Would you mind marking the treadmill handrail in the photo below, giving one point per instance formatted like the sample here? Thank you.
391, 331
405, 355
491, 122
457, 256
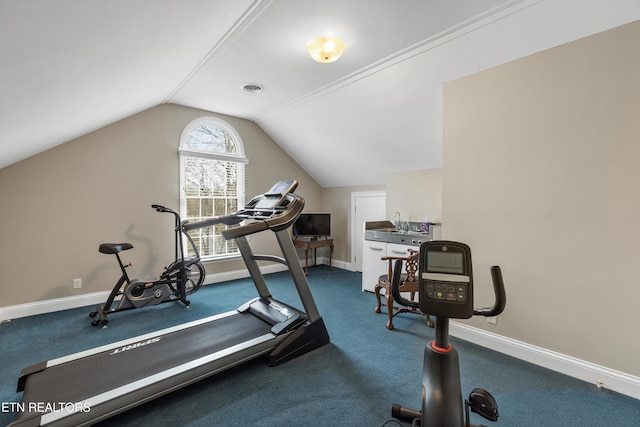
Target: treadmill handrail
275, 219
225, 219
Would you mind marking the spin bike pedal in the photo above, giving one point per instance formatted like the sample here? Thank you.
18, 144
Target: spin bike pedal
483, 403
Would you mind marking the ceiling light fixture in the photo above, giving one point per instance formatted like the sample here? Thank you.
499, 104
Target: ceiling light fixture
325, 49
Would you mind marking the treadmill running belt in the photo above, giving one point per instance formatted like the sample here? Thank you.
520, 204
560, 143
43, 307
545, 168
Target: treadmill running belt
76, 381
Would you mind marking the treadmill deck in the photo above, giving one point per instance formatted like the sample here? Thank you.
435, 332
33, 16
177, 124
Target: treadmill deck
170, 353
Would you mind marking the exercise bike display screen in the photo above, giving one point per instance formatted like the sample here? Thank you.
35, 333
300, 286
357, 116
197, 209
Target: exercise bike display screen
446, 287
444, 262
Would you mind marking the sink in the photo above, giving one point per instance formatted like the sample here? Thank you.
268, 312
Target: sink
403, 237
394, 230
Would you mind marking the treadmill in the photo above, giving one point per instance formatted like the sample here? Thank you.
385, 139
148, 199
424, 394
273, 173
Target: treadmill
89, 386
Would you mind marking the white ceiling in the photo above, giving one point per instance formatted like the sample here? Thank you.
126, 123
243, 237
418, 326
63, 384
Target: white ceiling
69, 67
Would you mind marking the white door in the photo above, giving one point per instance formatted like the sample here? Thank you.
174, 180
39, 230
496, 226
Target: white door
365, 206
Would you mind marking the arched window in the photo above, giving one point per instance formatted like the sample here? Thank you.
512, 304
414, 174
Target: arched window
212, 181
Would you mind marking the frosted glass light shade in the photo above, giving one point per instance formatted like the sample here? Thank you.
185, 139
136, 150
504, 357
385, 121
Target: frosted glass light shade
325, 49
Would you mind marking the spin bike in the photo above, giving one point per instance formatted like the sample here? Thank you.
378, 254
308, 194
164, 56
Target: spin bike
445, 284
181, 278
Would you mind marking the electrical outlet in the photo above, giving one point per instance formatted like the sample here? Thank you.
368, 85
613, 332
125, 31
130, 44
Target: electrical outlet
77, 283
493, 320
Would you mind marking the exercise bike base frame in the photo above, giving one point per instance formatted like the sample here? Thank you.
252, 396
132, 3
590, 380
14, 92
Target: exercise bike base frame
169, 293
446, 290
441, 387
170, 287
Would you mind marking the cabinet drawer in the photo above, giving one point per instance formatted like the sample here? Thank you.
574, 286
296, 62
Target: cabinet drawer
396, 250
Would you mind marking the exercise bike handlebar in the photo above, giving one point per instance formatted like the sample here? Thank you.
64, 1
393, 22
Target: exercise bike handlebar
396, 277
161, 208
498, 289
499, 292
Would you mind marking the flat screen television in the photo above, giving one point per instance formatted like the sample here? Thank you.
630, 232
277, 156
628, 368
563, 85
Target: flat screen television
312, 225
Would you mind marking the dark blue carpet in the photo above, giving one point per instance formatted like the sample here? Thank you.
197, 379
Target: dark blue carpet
351, 382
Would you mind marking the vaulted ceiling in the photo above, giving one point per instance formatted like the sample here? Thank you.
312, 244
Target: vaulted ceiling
69, 67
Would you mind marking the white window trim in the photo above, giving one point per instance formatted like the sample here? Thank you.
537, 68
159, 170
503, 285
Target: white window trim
239, 157
216, 121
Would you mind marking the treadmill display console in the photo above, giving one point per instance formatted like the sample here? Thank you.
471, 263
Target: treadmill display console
276, 195
445, 279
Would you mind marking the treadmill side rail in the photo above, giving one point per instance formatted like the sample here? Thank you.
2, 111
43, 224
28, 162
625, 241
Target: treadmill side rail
28, 371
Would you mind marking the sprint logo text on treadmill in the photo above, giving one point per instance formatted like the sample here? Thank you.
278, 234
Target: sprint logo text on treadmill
134, 346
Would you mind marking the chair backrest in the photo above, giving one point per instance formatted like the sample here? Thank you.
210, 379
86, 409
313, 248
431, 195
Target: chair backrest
411, 266
407, 282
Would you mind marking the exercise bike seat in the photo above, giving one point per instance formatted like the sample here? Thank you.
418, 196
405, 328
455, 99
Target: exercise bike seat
114, 248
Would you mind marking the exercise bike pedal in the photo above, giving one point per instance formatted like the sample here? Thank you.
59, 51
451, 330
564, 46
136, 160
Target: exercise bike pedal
483, 403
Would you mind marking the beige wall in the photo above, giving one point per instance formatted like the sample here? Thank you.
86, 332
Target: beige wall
541, 176
415, 194
59, 205
337, 202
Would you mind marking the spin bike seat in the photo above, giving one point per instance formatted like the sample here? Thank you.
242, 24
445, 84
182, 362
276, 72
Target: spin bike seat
114, 248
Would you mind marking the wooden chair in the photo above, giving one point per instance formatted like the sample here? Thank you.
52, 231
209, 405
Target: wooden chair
409, 283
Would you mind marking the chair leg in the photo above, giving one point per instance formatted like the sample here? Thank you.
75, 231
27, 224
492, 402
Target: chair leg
430, 323
377, 292
389, 307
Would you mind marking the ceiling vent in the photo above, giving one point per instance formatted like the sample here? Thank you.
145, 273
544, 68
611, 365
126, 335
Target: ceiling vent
252, 88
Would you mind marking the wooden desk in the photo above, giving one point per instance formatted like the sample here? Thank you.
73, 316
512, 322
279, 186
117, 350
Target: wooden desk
314, 244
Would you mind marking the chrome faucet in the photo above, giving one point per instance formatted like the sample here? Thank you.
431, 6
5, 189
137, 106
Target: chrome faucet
398, 223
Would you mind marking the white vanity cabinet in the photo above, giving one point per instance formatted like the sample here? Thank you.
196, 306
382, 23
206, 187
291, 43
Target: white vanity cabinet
372, 264
382, 239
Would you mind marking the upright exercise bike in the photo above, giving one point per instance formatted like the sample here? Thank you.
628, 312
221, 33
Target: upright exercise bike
181, 278
446, 291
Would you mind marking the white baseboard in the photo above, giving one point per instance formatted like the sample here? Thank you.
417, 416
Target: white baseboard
94, 298
241, 274
334, 263
597, 375
66, 303
51, 305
